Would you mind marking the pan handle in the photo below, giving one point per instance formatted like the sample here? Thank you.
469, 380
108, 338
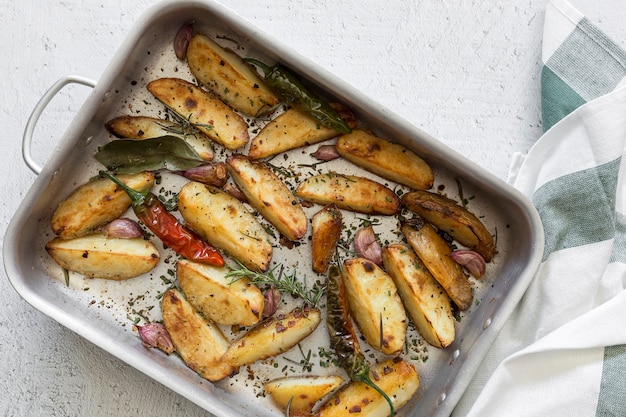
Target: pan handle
36, 113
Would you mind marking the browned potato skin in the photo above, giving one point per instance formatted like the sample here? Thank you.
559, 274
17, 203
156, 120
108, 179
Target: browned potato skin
294, 129
325, 233
396, 377
434, 252
95, 204
346, 114
198, 341
96, 256
204, 111
209, 291
301, 393
389, 160
454, 219
272, 336
144, 127
225, 74
138, 127
349, 192
374, 302
426, 302
226, 223
290, 130
269, 195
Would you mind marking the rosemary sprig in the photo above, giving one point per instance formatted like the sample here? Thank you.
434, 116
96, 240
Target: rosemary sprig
281, 171
313, 165
338, 175
307, 364
183, 126
277, 277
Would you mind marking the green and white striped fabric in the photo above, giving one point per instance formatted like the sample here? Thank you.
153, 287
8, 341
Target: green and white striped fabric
580, 63
563, 350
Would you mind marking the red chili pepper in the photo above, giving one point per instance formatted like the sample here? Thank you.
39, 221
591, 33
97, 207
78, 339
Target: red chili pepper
153, 214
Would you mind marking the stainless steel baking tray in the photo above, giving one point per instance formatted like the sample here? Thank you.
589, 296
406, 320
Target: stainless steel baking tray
103, 312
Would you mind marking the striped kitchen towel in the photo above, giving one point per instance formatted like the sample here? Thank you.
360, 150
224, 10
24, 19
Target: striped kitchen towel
563, 350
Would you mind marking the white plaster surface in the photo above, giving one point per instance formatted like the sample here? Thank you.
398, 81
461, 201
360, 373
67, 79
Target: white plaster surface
467, 72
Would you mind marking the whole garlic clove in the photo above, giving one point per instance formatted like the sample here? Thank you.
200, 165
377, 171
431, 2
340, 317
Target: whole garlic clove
155, 335
470, 260
181, 41
326, 153
123, 228
367, 246
272, 298
215, 174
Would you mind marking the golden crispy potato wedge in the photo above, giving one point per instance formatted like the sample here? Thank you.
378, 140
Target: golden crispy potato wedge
349, 192
198, 341
144, 127
269, 195
396, 377
203, 110
325, 233
375, 304
224, 73
226, 223
301, 393
292, 129
219, 298
96, 256
426, 302
434, 252
272, 336
96, 203
389, 160
454, 219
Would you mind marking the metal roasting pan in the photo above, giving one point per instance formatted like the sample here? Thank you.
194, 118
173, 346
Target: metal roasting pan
104, 311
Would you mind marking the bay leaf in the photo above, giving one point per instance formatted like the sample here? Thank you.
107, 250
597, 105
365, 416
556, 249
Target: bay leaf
127, 156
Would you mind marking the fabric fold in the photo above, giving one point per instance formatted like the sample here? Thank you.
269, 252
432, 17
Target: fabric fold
563, 346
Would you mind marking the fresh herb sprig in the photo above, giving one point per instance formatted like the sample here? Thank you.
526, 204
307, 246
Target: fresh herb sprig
185, 127
307, 364
277, 277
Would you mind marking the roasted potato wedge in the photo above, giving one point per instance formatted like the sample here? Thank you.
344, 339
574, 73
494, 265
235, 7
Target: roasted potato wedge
447, 215
272, 336
144, 127
224, 73
425, 301
95, 204
434, 252
219, 298
349, 192
389, 160
269, 195
202, 110
198, 341
301, 393
375, 305
226, 223
96, 256
325, 233
396, 377
292, 129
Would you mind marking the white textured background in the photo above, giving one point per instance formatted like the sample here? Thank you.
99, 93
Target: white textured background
466, 72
